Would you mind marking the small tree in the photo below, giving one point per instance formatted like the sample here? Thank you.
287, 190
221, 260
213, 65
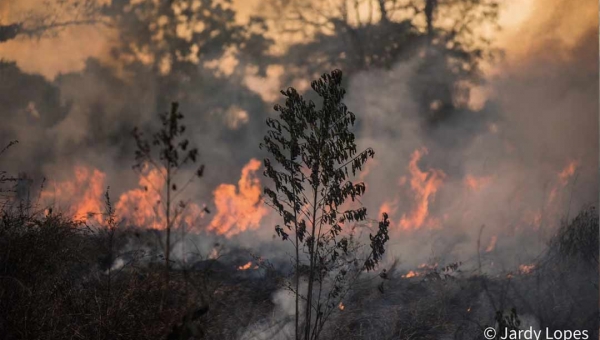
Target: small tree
168, 153
313, 151
7, 182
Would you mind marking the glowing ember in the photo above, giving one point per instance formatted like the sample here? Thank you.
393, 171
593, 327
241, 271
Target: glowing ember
428, 266
341, 306
239, 209
410, 274
424, 186
492, 245
526, 268
246, 266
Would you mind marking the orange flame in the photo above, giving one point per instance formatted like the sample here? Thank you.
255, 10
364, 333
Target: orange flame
568, 172
410, 274
239, 209
424, 185
492, 245
246, 266
388, 207
142, 206
85, 190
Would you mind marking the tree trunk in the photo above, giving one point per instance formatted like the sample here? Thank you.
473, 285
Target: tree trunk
168, 216
430, 7
383, 10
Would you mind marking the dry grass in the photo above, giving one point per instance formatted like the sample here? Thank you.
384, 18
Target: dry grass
54, 285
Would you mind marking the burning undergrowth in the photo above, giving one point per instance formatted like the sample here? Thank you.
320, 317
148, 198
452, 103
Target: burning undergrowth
226, 292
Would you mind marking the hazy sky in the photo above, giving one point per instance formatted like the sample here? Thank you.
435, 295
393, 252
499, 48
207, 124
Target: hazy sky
524, 22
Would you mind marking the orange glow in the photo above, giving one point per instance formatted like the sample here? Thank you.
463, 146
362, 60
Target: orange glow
246, 266
563, 178
424, 185
341, 306
85, 193
410, 274
476, 183
388, 207
492, 245
526, 268
141, 206
239, 209
568, 172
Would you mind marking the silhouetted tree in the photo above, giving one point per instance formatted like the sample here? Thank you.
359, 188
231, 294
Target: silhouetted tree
313, 153
167, 152
7, 181
51, 17
444, 37
175, 50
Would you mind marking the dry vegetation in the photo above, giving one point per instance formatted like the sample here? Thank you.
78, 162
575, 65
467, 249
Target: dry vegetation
55, 284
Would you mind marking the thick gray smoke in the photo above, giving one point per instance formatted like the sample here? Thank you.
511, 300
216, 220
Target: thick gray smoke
505, 165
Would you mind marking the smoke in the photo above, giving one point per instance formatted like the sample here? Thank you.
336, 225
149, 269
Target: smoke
517, 164
516, 160
280, 325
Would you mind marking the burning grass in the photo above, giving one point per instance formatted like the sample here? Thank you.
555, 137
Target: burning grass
54, 284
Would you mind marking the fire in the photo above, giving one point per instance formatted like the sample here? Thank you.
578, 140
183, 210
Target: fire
476, 183
410, 274
239, 209
388, 207
424, 186
428, 266
568, 172
526, 268
341, 306
141, 207
492, 245
246, 266
85, 191
563, 179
